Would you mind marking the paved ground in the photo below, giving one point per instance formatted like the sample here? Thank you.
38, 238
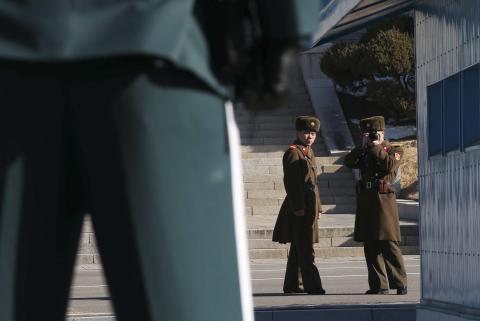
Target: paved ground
344, 279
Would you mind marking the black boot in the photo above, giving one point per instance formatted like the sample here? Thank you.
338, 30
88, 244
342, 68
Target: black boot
377, 291
402, 290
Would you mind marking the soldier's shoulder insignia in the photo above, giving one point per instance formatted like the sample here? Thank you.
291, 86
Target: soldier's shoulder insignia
398, 156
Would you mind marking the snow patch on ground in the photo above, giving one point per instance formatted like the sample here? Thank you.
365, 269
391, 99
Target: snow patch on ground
394, 132
399, 132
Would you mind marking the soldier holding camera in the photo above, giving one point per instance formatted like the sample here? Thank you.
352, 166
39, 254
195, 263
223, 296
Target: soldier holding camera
377, 222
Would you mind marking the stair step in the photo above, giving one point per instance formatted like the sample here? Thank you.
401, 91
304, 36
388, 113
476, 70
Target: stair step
324, 242
284, 119
263, 155
291, 110
274, 148
336, 175
324, 189
255, 202
273, 133
278, 161
406, 230
324, 180
323, 252
278, 169
339, 208
280, 194
274, 194
337, 191
285, 141
265, 126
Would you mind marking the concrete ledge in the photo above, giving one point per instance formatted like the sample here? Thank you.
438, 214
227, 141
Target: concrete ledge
407, 209
323, 252
433, 310
383, 312
91, 318
326, 105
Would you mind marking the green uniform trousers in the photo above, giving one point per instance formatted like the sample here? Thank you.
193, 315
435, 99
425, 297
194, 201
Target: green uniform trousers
301, 256
144, 149
385, 265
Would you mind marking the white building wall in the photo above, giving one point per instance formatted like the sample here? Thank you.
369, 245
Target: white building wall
447, 34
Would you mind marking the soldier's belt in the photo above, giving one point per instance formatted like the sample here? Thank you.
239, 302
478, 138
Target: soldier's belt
368, 184
381, 185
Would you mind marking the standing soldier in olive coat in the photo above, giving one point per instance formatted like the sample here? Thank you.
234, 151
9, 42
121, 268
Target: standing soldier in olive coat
377, 222
297, 219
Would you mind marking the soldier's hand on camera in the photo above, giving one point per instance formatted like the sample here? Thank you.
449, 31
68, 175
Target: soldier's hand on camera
299, 213
365, 140
380, 139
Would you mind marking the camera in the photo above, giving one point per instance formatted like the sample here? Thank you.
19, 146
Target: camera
373, 135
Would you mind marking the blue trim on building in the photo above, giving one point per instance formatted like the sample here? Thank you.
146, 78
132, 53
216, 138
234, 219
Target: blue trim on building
454, 112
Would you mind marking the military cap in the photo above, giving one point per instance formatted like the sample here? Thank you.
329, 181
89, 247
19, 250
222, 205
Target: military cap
376, 123
307, 123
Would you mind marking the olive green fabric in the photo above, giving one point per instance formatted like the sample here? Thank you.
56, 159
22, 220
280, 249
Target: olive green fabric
385, 265
299, 168
376, 221
307, 123
52, 30
118, 144
375, 123
301, 257
377, 213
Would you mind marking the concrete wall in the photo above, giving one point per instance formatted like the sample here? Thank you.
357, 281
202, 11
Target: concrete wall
325, 103
447, 42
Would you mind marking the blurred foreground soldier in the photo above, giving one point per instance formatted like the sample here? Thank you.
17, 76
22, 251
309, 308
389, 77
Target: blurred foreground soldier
103, 104
297, 219
377, 223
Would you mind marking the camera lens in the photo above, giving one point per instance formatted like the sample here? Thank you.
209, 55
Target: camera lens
373, 136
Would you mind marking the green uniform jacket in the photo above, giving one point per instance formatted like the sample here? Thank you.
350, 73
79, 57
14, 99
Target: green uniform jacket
60, 30
377, 213
299, 168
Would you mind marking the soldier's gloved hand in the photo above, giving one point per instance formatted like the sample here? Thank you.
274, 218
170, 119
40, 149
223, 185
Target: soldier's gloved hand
380, 139
299, 213
365, 140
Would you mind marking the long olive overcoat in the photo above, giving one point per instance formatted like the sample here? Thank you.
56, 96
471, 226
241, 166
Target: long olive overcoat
299, 169
377, 213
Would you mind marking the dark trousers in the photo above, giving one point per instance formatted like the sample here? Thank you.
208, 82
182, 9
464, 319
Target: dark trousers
145, 151
302, 256
385, 265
